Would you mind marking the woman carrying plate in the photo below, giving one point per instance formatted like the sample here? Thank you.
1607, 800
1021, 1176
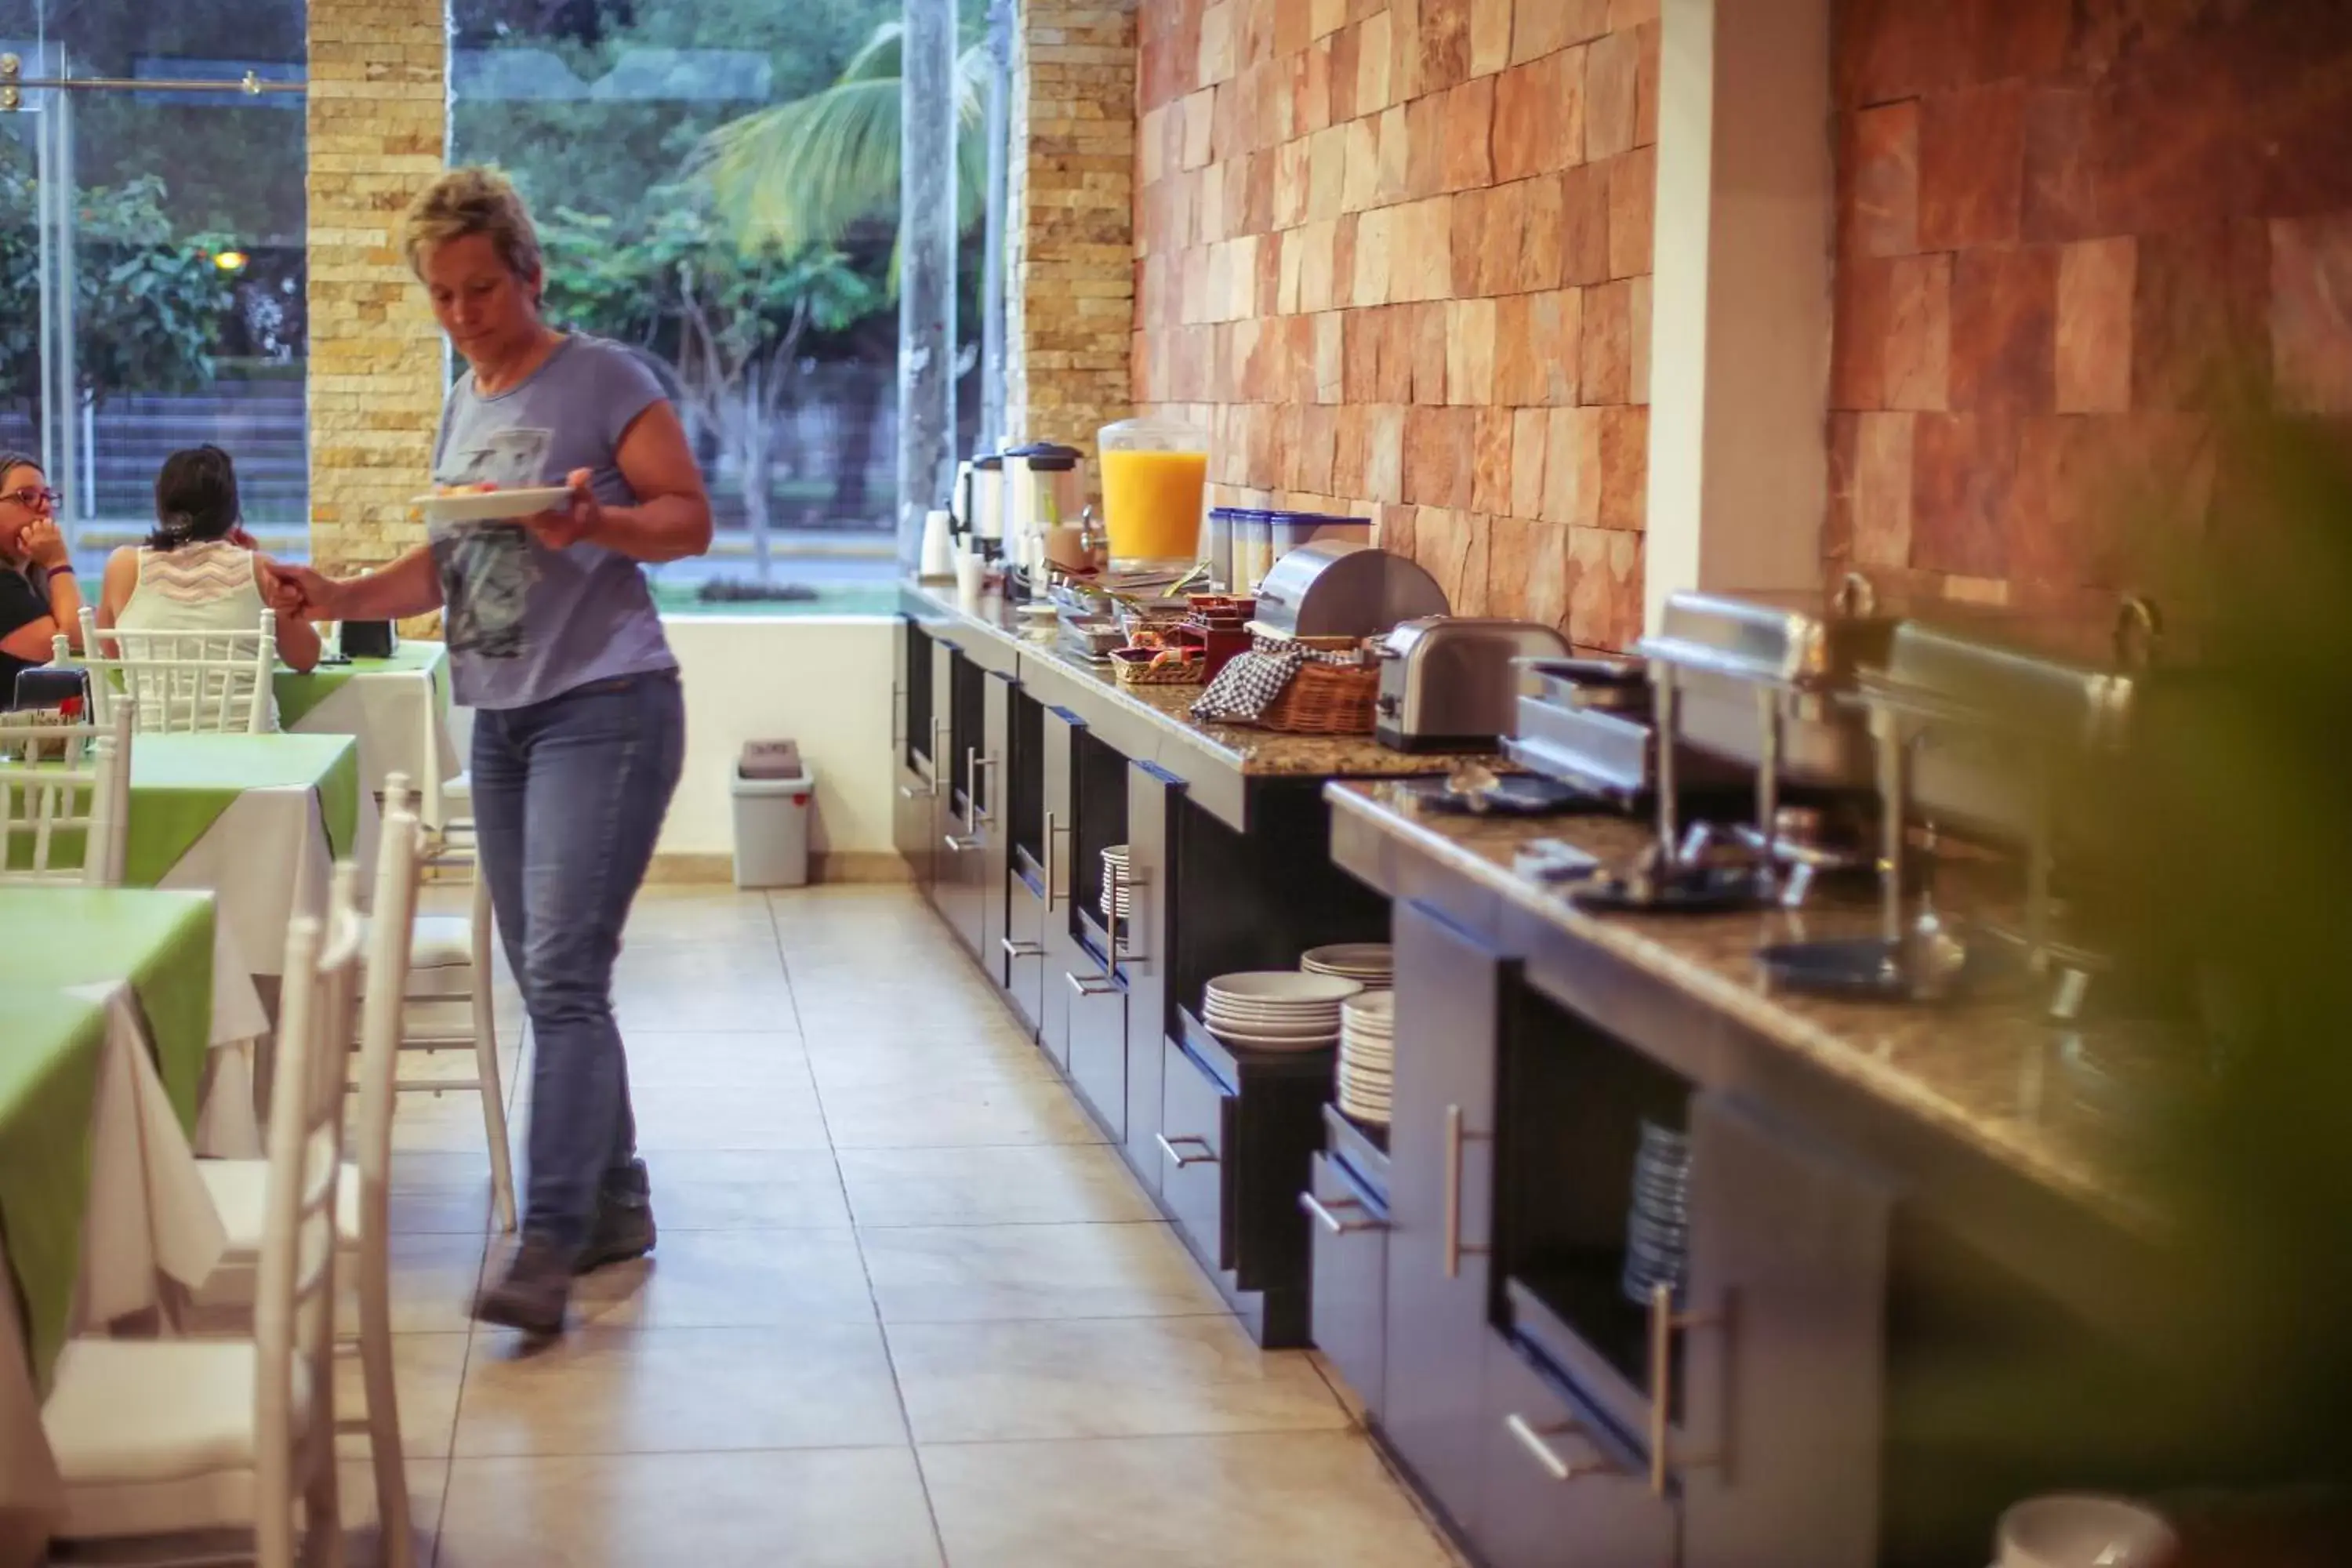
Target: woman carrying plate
580, 729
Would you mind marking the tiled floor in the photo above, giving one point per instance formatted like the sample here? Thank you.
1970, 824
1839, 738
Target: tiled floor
906, 1307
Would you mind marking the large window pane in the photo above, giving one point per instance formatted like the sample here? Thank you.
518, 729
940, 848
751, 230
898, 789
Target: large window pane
152, 247
758, 286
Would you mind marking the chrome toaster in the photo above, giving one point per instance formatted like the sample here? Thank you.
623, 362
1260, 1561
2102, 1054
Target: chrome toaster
1451, 683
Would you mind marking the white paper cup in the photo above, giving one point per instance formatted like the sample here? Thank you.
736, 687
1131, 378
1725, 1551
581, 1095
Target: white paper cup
970, 571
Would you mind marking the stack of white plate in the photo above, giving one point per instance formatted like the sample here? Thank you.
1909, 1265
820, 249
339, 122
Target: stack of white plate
1369, 961
1276, 1010
1368, 1055
1114, 878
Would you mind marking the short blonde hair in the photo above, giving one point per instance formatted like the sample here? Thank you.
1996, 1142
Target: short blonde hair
473, 200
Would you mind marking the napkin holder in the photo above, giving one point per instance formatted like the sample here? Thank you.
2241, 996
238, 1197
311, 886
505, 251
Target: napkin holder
369, 639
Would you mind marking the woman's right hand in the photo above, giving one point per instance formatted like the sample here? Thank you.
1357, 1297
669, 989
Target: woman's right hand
301, 592
44, 544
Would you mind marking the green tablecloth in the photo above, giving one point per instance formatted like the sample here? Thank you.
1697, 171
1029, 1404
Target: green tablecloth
53, 937
50, 1046
180, 784
300, 693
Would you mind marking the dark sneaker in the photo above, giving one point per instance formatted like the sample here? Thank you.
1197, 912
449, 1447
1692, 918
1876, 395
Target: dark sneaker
535, 1292
624, 1227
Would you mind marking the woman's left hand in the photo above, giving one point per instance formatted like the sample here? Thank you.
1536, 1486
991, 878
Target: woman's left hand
584, 518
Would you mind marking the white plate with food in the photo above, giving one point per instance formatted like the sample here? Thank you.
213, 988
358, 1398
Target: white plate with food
491, 506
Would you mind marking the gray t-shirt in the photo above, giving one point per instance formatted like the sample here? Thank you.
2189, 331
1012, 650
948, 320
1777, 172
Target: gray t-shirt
526, 623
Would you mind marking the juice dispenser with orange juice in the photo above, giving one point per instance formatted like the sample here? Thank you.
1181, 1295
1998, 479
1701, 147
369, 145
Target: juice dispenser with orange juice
1155, 474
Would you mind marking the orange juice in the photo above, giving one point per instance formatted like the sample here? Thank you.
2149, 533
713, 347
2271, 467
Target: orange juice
1151, 504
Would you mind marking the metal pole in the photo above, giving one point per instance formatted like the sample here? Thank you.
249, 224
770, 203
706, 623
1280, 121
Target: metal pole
927, 219
992, 298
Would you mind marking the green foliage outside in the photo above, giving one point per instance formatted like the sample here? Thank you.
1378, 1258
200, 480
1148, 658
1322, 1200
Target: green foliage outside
147, 302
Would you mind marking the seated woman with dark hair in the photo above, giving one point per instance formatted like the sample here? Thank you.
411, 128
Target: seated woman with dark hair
198, 572
37, 597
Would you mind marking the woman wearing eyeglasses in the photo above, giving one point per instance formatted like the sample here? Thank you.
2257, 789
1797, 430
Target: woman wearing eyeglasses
38, 597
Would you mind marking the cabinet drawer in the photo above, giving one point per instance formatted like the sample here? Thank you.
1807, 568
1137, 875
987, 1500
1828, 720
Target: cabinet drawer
1024, 943
1347, 1233
1553, 1497
1196, 1137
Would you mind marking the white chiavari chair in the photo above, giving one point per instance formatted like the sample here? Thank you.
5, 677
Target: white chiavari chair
204, 683
65, 798
180, 1437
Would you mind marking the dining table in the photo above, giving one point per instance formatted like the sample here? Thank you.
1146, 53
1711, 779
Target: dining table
397, 706
104, 1215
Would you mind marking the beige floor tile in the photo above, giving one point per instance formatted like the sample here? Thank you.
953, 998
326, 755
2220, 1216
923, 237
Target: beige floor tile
1055, 1183
846, 1010
825, 1508
698, 916
428, 1482
427, 1371
746, 1189
954, 1111
1106, 1377
773, 1117
1291, 1500
652, 1390
445, 1193
684, 1005
433, 1281
731, 961
882, 1052
733, 1060
728, 1279
447, 1123
974, 1273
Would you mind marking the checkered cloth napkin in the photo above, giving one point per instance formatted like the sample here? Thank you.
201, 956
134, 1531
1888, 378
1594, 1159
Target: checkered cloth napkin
1249, 684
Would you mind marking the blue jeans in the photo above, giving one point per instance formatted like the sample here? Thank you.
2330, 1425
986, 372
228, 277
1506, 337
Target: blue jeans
569, 796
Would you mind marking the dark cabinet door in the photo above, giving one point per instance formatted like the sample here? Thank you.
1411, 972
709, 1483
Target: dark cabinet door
1063, 956
1146, 943
910, 805
1098, 1064
1778, 1454
1441, 1200
1554, 1498
1194, 1147
1349, 1234
1025, 940
993, 824
948, 829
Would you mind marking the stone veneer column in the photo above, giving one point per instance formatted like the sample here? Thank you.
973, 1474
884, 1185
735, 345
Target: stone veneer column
379, 116
1071, 219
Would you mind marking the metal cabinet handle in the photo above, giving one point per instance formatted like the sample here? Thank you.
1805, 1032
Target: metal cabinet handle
1053, 894
1664, 1321
972, 816
1020, 949
1168, 1147
1534, 1440
958, 846
1100, 985
1455, 1138
1332, 1222
1121, 883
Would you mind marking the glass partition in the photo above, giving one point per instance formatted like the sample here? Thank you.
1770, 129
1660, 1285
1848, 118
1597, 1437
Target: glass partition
151, 252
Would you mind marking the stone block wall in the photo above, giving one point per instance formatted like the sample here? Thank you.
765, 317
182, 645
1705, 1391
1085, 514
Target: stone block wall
1071, 219
2068, 234
1396, 256
378, 122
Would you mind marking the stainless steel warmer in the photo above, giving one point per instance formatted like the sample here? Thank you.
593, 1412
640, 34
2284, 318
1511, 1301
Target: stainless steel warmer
1450, 683
1333, 589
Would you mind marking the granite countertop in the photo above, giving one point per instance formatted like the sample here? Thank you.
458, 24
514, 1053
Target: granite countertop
1994, 1076
1252, 751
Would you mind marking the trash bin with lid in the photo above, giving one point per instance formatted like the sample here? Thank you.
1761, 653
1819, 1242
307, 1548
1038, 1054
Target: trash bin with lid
774, 794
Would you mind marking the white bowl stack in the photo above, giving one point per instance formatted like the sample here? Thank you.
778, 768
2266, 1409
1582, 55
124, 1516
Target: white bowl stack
1368, 1055
1114, 878
1372, 962
1276, 1010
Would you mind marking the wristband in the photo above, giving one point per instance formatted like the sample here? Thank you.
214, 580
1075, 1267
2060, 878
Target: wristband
65, 571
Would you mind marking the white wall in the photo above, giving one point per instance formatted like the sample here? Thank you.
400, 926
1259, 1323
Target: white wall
824, 681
